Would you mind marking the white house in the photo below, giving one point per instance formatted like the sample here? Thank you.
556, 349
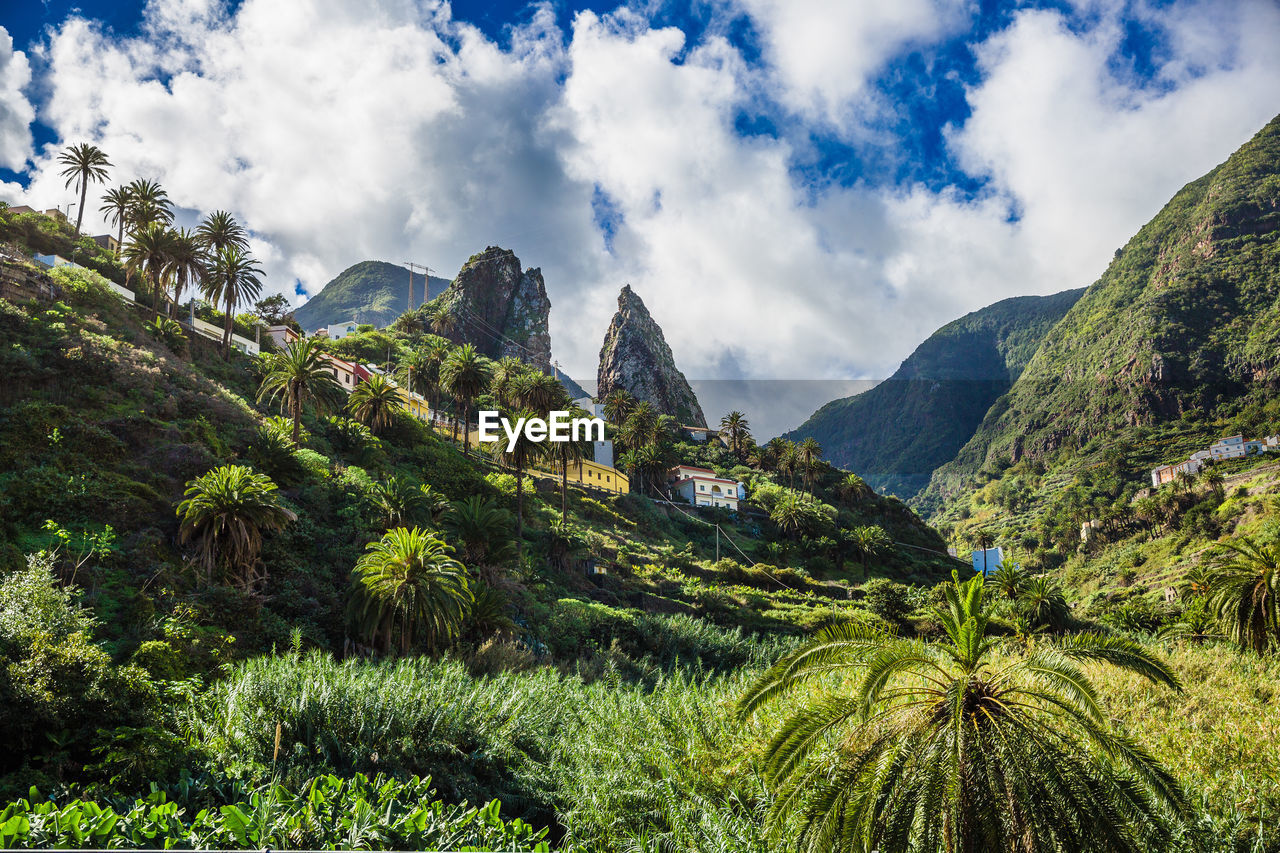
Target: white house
1232, 447
701, 487
602, 453
591, 407
988, 560
282, 335
1168, 473
341, 330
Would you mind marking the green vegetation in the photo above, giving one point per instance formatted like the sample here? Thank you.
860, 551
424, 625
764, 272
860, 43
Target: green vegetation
373, 292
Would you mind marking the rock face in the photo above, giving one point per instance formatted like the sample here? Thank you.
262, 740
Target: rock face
500, 309
635, 357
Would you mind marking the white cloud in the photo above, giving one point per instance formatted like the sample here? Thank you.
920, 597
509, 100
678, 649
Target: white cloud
823, 52
341, 132
16, 111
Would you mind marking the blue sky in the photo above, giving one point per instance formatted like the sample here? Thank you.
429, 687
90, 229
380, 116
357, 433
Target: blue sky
800, 190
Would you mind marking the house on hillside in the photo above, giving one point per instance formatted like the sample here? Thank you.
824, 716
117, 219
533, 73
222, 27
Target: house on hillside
343, 371
591, 407
701, 487
21, 208
1168, 473
337, 331
282, 336
695, 433
108, 242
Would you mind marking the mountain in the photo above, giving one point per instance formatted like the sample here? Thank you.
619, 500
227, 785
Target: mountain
374, 292
635, 357
1183, 326
896, 433
499, 308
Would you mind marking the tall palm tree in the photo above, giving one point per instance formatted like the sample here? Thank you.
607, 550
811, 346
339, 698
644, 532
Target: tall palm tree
809, 458
869, 541
853, 486
618, 406
116, 203
568, 453
375, 403
410, 579
148, 252
232, 277
789, 461
435, 351
465, 375
185, 265
148, 204
502, 380
442, 319
541, 392
83, 164
1244, 582
734, 428
225, 513
898, 744
219, 231
297, 375
520, 454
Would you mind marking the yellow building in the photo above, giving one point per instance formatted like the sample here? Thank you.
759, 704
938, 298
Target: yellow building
414, 404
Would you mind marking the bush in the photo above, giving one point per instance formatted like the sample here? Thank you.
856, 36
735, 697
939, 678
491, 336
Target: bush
889, 600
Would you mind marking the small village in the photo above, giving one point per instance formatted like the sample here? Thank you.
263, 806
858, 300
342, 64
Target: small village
1231, 447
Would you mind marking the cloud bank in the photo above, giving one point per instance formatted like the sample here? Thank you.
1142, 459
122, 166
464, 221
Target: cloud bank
611, 152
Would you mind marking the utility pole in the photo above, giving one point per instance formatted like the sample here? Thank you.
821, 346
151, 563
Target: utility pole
426, 280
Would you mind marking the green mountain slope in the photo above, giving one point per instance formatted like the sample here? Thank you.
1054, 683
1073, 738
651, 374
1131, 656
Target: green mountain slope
1183, 326
374, 292
895, 434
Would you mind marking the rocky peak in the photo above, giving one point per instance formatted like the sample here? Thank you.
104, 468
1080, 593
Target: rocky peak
501, 309
636, 358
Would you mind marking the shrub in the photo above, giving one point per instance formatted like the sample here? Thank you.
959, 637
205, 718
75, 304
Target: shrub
889, 600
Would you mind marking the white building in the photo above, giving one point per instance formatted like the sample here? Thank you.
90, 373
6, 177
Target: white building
341, 330
591, 407
1232, 447
989, 560
602, 453
282, 335
701, 487
1168, 473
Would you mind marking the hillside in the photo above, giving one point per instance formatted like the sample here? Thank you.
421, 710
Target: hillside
374, 292
1183, 325
895, 434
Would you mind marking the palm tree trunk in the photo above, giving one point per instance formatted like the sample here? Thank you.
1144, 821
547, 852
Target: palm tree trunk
295, 409
226, 331
564, 490
466, 427
84, 189
120, 237
519, 510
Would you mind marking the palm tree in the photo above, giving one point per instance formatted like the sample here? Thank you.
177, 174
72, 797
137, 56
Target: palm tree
116, 203
567, 453
148, 252
869, 541
1009, 582
435, 351
788, 461
299, 374
618, 406
398, 502
219, 231
735, 429
809, 459
375, 403
1214, 480
1043, 605
148, 204
640, 429
84, 163
232, 276
853, 486
442, 318
185, 264
502, 380
540, 392
435, 504
465, 375
225, 513
409, 577
519, 454
482, 529
792, 513
898, 744
1243, 584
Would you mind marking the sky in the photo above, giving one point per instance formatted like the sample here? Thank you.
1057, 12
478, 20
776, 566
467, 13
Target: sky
798, 189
